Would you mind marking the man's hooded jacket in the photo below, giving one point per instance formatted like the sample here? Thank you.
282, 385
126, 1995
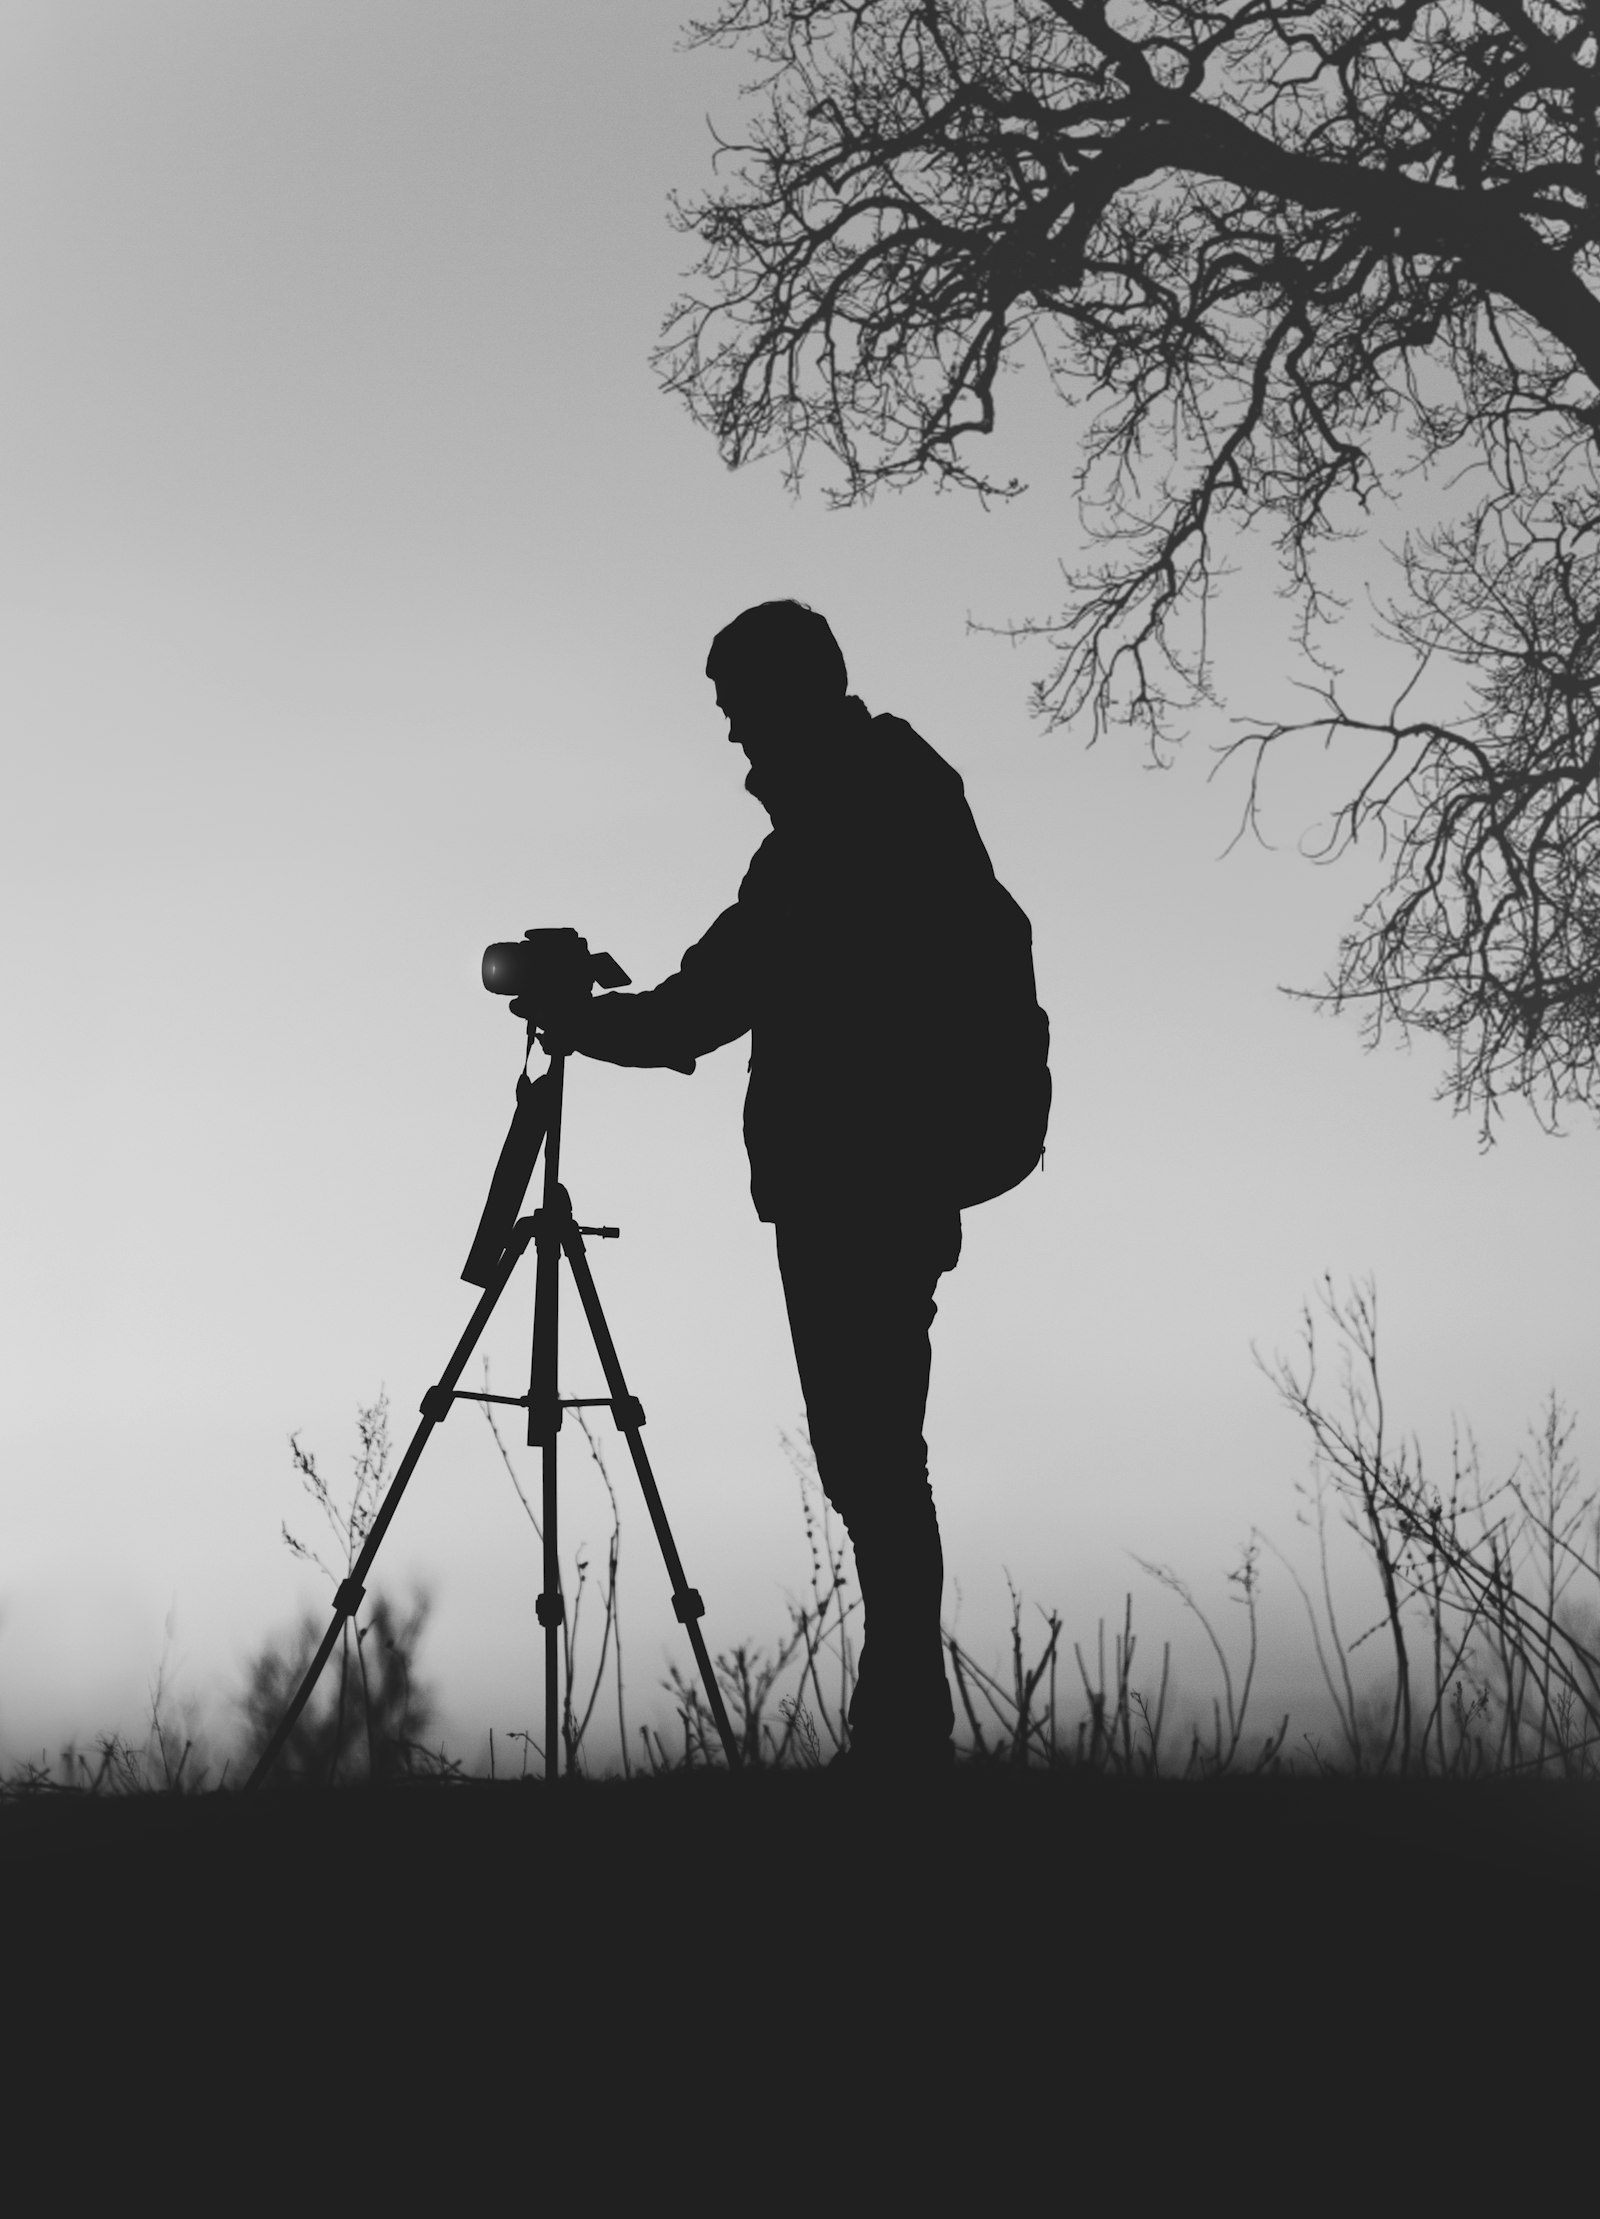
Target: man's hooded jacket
871, 955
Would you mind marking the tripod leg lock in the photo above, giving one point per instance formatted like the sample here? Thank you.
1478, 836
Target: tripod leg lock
687, 1606
627, 1413
550, 1610
435, 1404
350, 1597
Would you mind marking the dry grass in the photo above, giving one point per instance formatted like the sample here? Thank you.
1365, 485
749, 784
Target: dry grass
1488, 1601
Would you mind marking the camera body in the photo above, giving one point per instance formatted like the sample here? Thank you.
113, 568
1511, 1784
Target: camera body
551, 967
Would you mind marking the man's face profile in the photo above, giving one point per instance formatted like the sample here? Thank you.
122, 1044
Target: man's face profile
753, 712
769, 717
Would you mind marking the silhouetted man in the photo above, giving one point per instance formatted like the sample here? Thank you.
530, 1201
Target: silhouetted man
848, 958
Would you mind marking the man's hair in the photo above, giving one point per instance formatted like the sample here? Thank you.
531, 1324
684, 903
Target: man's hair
779, 641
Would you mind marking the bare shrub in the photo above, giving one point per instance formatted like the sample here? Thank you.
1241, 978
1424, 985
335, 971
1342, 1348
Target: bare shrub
1489, 1592
372, 1721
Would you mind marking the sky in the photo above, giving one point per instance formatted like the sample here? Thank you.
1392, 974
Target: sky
357, 583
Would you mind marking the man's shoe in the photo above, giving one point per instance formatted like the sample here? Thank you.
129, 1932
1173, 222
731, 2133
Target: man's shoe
871, 1759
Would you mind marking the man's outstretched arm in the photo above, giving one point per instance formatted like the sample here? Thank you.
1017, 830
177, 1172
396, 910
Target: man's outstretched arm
707, 1002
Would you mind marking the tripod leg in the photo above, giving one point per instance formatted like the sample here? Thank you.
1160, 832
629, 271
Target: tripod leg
544, 1424
686, 1603
435, 1405
544, 1403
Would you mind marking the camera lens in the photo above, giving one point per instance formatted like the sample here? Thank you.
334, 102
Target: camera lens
503, 966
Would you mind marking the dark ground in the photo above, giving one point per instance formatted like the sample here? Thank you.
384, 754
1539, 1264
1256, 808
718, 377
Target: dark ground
1021, 1962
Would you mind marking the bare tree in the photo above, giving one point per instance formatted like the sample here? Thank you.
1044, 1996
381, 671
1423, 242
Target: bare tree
1293, 257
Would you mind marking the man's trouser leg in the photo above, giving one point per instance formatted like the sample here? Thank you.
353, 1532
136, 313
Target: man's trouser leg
860, 1315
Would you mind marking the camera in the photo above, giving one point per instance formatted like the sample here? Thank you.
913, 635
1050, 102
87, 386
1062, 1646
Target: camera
551, 967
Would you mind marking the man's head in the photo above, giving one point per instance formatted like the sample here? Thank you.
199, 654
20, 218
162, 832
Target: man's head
779, 675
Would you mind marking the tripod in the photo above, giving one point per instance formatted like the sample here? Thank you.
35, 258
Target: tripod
501, 1240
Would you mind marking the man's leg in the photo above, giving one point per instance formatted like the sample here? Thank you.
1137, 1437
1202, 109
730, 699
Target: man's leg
860, 1309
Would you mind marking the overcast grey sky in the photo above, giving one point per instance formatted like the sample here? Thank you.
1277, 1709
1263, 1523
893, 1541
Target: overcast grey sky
357, 582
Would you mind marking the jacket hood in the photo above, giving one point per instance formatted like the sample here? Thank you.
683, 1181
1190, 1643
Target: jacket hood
881, 751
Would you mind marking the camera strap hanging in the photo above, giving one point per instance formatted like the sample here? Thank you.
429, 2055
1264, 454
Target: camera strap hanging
519, 1153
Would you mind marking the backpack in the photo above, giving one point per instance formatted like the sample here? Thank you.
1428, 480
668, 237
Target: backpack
996, 1103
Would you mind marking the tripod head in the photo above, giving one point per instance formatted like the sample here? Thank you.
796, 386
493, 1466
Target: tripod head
551, 972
